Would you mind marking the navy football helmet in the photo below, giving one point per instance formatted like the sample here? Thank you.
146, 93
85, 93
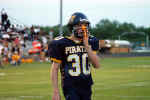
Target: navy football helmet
78, 19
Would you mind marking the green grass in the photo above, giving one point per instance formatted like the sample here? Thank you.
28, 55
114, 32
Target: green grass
118, 79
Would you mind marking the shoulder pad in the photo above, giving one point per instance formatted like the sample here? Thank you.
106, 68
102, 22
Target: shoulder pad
58, 38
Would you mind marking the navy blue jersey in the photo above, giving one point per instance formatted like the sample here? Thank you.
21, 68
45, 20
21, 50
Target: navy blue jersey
75, 68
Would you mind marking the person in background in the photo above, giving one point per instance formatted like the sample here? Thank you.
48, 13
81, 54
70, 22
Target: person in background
51, 35
16, 54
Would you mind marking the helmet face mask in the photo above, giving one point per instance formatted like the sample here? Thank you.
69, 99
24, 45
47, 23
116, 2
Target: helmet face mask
75, 24
78, 31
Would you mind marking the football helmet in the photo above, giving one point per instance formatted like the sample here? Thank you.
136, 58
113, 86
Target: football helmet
75, 22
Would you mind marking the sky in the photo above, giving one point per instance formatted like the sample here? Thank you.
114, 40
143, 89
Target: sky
46, 12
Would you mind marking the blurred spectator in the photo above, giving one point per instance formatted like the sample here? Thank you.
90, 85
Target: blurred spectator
16, 54
1, 50
51, 35
26, 34
0, 27
4, 17
5, 53
22, 40
44, 40
32, 33
16, 59
5, 36
17, 40
5, 21
7, 25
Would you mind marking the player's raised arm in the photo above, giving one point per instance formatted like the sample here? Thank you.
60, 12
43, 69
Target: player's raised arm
93, 57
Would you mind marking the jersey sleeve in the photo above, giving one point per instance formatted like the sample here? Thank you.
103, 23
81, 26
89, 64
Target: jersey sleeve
54, 51
94, 42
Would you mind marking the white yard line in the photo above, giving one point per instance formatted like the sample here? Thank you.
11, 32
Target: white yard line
31, 96
133, 84
2, 74
18, 73
14, 82
20, 97
140, 66
134, 96
122, 96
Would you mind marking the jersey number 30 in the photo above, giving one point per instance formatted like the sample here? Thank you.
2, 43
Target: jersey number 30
77, 65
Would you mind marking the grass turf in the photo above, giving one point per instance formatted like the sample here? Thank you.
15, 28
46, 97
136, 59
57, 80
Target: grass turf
118, 79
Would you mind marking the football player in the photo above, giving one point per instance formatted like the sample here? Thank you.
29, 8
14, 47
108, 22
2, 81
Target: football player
74, 56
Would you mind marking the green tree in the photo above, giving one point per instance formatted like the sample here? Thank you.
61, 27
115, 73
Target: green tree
106, 29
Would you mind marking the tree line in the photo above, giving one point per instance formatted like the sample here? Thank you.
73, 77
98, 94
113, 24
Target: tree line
112, 30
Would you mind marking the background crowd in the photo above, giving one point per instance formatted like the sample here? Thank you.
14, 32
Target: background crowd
18, 42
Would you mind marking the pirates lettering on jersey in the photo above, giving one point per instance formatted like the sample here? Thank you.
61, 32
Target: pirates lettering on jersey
75, 49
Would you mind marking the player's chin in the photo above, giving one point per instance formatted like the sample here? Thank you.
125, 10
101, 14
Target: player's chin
80, 35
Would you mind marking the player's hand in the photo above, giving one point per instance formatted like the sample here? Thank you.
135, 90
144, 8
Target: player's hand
85, 41
56, 95
85, 36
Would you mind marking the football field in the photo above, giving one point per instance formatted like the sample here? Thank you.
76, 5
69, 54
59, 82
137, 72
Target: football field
117, 79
